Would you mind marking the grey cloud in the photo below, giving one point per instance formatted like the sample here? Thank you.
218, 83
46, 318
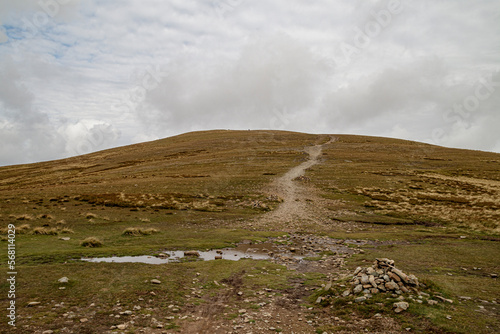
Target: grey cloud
272, 80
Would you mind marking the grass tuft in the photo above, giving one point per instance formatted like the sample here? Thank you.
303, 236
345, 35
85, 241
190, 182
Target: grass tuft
44, 231
66, 230
136, 231
91, 242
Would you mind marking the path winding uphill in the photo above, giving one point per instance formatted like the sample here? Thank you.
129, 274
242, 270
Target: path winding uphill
300, 201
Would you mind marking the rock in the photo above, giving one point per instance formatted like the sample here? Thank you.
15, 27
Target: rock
64, 238
49, 331
83, 320
371, 279
191, 253
242, 311
31, 304
155, 281
360, 299
121, 326
394, 277
444, 299
391, 286
218, 257
358, 288
163, 255
358, 269
384, 263
400, 307
328, 286
63, 280
413, 280
432, 302
346, 293
370, 271
494, 275
401, 274
365, 279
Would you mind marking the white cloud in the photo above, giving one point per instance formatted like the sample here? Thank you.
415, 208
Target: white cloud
242, 64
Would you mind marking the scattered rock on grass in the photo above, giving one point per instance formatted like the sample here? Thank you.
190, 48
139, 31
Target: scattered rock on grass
400, 307
63, 280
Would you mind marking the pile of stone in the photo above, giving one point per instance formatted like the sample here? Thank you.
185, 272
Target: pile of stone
382, 276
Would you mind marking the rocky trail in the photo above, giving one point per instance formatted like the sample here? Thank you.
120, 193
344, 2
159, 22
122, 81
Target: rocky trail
285, 311
300, 201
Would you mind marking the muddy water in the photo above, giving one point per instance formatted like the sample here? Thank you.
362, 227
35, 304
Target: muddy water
292, 249
262, 251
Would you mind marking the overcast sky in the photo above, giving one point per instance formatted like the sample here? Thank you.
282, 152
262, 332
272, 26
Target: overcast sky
80, 76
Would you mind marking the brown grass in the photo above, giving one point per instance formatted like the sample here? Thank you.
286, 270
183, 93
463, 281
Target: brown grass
137, 231
91, 242
45, 231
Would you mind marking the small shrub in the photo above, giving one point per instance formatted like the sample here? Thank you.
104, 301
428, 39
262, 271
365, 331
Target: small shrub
24, 228
66, 230
135, 231
44, 231
91, 242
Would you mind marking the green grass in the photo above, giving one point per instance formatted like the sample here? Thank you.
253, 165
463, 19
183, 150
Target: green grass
196, 189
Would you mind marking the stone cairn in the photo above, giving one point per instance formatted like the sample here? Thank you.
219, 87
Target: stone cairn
382, 276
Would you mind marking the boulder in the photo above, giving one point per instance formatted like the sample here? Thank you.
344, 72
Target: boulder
391, 286
400, 307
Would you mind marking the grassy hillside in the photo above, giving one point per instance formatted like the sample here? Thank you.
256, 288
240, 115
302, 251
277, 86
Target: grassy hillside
434, 210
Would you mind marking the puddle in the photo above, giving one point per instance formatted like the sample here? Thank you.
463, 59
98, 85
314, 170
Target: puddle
243, 251
289, 250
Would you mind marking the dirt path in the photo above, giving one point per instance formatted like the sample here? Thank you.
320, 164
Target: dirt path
300, 201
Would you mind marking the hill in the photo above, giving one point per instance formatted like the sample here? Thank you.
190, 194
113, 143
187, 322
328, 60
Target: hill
434, 210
